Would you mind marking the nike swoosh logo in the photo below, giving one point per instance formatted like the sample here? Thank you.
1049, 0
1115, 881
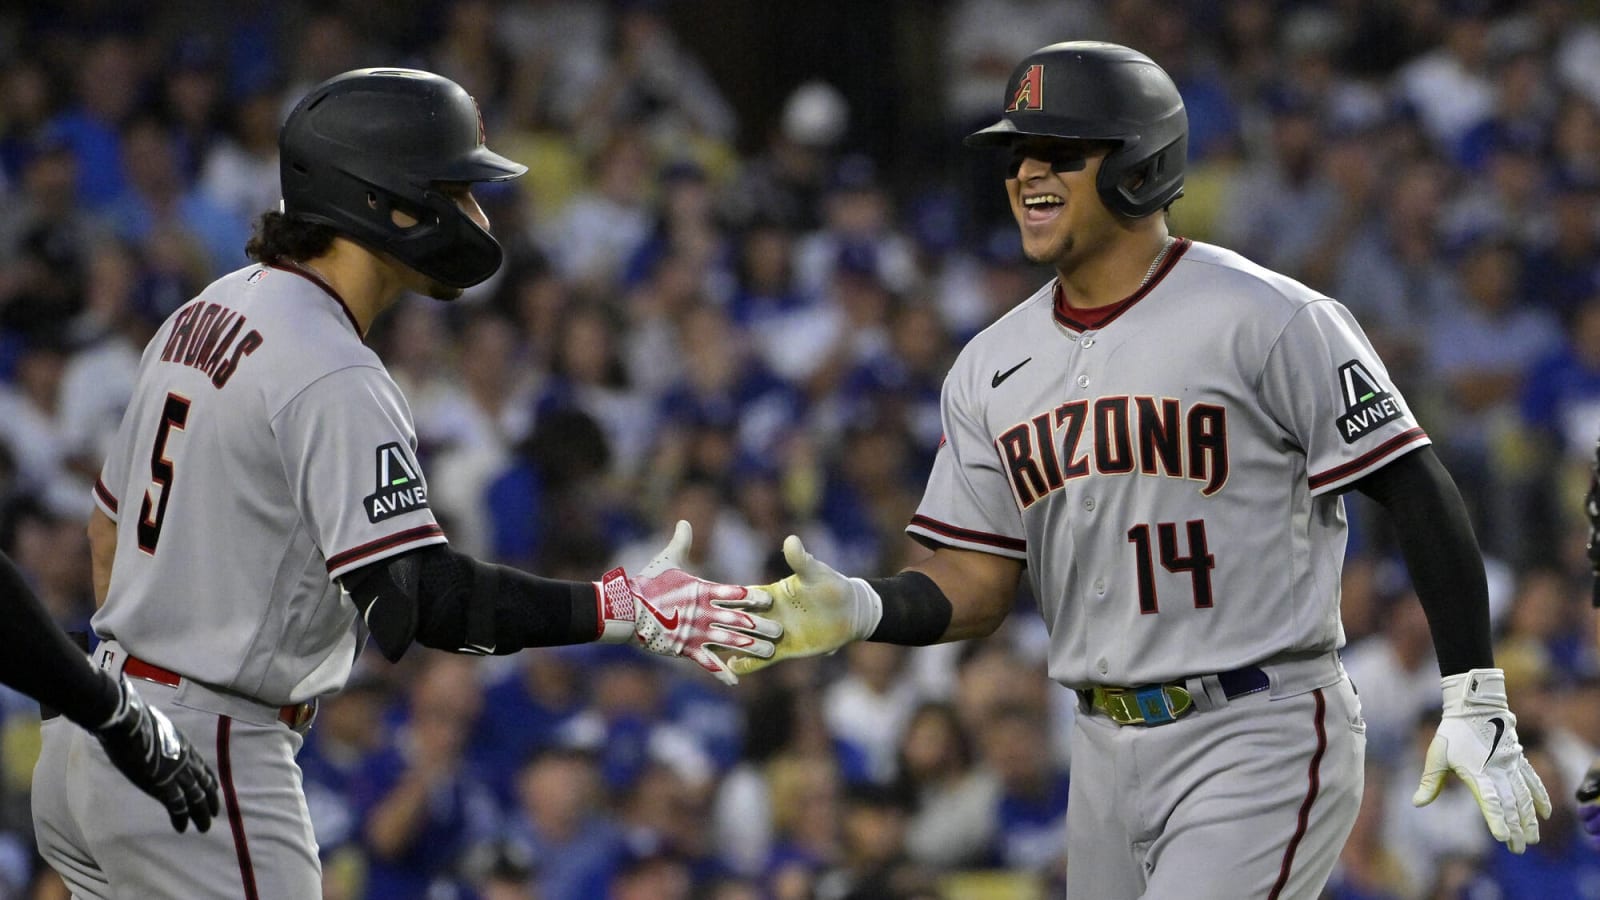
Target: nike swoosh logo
666, 623
1000, 376
1499, 731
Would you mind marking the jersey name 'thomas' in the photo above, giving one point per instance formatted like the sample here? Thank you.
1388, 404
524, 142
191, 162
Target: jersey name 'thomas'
266, 452
1171, 475
207, 337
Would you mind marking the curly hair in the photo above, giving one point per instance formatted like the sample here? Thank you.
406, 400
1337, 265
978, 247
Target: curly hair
278, 237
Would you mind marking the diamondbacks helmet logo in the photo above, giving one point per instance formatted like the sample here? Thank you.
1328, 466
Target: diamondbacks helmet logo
1367, 405
1030, 90
399, 489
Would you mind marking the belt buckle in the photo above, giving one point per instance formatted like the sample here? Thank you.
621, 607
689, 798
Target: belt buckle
302, 717
1162, 704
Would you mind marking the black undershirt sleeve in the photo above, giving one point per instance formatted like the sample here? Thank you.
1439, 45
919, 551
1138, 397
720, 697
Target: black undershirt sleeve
450, 601
1441, 553
40, 661
916, 611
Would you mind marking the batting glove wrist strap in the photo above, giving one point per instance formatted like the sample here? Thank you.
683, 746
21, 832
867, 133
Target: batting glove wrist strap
1474, 689
614, 601
1477, 740
866, 609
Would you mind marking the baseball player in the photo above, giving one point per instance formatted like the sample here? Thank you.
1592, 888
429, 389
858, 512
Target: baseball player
139, 740
1159, 438
261, 513
1589, 789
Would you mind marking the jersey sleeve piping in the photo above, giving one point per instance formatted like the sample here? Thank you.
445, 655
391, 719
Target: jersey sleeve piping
386, 546
1322, 482
932, 532
106, 500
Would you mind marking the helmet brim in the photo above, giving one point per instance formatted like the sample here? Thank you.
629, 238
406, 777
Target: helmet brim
1006, 132
482, 164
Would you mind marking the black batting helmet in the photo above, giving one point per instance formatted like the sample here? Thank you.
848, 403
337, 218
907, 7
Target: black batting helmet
1089, 90
368, 142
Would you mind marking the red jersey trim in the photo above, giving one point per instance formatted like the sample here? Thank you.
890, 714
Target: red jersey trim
1339, 473
327, 288
1313, 787
388, 542
1064, 312
968, 535
105, 495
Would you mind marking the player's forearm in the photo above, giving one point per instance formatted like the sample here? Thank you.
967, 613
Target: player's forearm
978, 590
41, 662
447, 600
1441, 554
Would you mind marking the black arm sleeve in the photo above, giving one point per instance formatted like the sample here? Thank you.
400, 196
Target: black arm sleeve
1441, 554
41, 662
450, 601
915, 610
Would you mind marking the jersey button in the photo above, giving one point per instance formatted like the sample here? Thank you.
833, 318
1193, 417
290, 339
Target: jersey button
1100, 665
1083, 381
1088, 504
1088, 342
1100, 586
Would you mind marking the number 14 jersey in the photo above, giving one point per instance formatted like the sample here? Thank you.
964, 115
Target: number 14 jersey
1171, 474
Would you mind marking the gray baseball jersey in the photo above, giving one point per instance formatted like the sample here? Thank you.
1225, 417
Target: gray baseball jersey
1171, 476
266, 452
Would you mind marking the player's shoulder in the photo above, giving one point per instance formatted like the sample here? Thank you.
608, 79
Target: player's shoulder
1220, 272
1014, 325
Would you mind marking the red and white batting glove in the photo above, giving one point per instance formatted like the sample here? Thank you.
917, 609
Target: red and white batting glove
668, 611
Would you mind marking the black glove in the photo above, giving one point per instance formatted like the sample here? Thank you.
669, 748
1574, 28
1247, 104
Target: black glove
1591, 508
143, 744
1589, 805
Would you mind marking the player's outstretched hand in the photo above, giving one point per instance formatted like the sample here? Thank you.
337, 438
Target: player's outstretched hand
145, 746
1477, 739
1589, 804
676, 614
819, 609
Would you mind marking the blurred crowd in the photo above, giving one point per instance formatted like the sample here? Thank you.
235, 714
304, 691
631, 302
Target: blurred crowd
741, 316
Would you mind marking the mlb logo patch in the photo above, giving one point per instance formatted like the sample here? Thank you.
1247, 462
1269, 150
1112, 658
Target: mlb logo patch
256, 276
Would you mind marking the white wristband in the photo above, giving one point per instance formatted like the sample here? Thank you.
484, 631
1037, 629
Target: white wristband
867, 610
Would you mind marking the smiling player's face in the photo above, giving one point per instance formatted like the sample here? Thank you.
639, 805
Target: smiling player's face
1051, 183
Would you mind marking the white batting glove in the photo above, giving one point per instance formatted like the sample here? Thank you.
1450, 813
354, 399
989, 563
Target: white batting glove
670, 612
1477, 739
819, 609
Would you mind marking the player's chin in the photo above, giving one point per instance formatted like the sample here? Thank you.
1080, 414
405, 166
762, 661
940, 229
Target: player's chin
1045, 251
